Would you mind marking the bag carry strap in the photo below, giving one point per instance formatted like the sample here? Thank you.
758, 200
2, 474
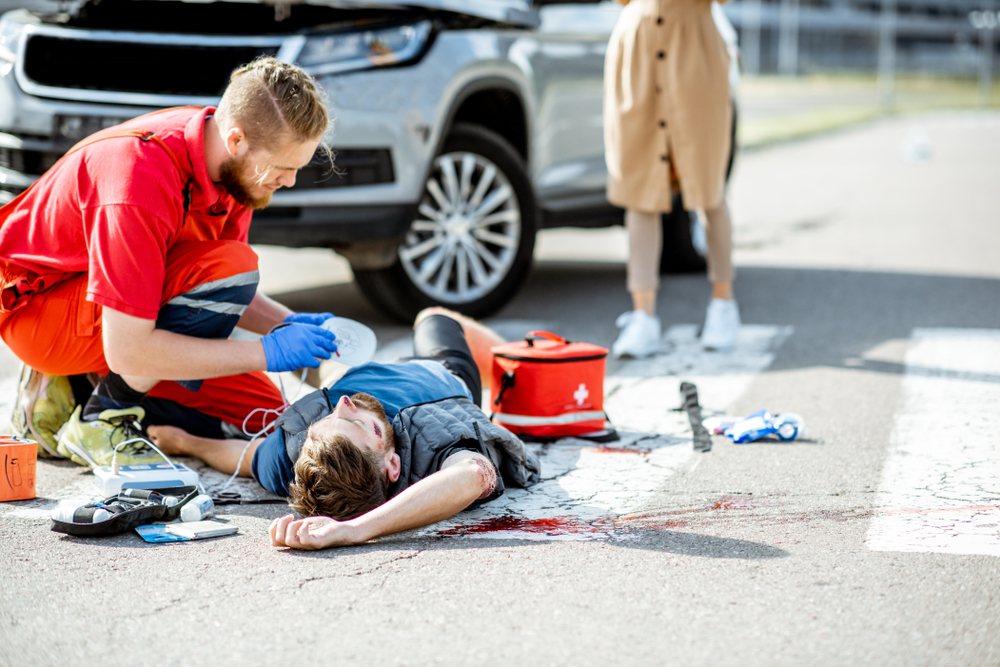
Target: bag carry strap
506, 382
532, 336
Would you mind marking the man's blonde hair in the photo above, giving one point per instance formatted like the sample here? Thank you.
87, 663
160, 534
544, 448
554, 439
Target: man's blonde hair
272, 101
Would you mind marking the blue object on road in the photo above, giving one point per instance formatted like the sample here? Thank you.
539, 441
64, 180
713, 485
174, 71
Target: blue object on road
786, 426
157, 533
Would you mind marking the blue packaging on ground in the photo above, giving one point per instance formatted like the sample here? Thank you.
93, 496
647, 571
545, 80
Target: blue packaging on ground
158, 533
786, 426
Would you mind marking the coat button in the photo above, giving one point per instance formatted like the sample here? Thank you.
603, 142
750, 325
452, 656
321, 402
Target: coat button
659, 90
661, 55
663, 123
659, 20
663, 158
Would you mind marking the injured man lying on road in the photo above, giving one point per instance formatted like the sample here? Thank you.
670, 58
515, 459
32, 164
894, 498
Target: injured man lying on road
387, 448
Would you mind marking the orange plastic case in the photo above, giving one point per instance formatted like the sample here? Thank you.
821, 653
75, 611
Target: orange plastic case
548, 387
19, 457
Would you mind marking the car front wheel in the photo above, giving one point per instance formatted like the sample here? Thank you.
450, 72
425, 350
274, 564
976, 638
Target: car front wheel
469, 247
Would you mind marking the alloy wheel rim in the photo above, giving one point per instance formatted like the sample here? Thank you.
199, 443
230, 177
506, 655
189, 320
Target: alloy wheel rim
464, 240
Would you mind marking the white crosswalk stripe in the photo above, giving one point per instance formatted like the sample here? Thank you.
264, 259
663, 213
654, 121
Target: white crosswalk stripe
940, 489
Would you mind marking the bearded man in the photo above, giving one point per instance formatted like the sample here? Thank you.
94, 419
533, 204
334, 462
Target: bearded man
127, 264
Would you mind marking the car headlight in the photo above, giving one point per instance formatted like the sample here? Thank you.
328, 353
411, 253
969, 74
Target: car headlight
346, 51
10, 35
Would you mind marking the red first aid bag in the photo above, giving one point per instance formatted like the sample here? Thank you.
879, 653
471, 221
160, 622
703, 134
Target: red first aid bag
548, 387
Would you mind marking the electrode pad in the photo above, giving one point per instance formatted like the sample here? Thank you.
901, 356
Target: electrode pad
356, 343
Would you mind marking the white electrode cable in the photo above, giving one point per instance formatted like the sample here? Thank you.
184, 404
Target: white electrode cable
267, 427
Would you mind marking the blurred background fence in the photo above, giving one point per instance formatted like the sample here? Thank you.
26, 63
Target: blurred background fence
815, 65
802, 36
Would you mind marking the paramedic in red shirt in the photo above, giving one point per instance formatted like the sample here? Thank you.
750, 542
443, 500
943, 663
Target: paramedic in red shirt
127, 263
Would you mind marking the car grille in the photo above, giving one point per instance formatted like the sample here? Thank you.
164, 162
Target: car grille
353, 166
33, 163
132, 67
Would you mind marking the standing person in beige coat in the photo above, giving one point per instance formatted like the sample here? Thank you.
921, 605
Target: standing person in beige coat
667, 111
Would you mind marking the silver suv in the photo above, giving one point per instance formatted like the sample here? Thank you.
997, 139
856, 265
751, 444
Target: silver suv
462, 126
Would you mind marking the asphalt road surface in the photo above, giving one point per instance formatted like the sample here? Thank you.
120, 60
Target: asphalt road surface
869, 285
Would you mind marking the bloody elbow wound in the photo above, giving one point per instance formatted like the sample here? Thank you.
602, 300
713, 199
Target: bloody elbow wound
487, 474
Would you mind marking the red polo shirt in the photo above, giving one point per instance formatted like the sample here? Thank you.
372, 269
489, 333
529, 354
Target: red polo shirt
113, 208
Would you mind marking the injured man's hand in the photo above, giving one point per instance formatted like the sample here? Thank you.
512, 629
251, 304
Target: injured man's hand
314, 532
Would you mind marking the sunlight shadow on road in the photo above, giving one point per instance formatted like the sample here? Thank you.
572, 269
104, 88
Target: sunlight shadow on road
706, 546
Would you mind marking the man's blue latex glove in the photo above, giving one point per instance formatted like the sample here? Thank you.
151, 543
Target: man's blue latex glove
308, 318
293, 346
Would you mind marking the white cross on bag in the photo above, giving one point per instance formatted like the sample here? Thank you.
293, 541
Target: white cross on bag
581, 394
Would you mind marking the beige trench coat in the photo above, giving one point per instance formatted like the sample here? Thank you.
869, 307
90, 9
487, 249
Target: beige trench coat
666, 101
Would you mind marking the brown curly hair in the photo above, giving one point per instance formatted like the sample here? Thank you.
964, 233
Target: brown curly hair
336, 478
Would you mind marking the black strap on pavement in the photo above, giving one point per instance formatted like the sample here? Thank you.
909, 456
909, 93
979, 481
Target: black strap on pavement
702, 439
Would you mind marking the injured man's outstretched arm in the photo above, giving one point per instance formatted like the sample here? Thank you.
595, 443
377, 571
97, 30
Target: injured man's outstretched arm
464, 478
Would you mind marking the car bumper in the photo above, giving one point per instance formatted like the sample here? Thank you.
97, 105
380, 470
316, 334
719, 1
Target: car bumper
331, 227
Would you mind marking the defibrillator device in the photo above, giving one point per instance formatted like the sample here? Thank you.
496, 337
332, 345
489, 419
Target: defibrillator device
109, 480
546, 387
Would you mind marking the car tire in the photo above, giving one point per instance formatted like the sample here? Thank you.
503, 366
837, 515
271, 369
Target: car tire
449, 257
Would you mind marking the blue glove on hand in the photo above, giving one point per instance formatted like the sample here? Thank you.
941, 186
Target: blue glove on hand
294, 346
308, 318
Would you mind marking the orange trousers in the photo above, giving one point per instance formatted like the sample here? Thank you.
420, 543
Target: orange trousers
57, 331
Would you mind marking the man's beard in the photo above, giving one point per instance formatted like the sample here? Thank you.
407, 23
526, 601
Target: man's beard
370, 403
238, 188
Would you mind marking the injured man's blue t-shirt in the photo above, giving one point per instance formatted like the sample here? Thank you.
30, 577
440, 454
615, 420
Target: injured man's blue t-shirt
396, 386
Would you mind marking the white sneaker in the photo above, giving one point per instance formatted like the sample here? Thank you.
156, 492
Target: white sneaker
640, 336
722, 324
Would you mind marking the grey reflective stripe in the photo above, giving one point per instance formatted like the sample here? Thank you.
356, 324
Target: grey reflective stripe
239, 280
214, 306
568, 418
